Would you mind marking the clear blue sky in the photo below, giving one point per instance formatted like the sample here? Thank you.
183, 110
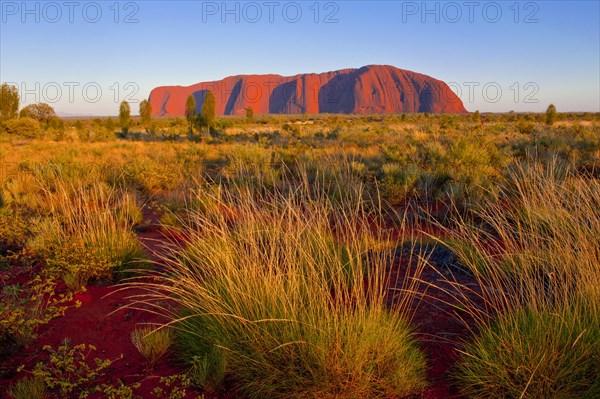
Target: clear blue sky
534, 52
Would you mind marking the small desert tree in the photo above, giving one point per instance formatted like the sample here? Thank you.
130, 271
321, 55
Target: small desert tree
208, 113
477, 117
207, 117
145, 113
249, 113
9, 101
41, 112
190, 112
125, 116
550, 115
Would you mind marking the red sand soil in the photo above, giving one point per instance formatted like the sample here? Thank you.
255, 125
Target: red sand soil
373, 89
439, 326
439, 332
104, 320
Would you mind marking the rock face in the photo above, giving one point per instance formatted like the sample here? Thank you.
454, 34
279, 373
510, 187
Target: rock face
374, 89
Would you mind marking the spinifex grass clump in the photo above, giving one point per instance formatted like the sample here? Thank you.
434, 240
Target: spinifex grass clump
538, 266
86, 232
28, 388
535, 353
285, 297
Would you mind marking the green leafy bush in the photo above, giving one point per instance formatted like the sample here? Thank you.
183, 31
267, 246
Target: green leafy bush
70, 370
23, 309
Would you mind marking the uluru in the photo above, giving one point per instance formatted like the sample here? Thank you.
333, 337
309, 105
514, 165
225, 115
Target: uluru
373, 89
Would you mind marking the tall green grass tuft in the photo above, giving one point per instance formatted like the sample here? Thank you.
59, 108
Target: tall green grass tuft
537, 262
284, 295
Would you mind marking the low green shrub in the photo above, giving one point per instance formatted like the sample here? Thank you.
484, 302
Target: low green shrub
14, 230
24, 127
23, 309
399, 182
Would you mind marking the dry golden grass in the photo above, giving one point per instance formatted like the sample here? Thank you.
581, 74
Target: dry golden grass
283, 233
290, 295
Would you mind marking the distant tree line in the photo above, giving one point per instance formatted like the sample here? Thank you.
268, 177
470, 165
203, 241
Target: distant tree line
40, 119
